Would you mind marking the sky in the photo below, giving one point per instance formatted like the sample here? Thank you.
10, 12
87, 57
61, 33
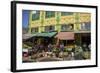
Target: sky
25, 18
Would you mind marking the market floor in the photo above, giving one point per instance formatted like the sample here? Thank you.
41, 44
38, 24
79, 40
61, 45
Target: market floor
46, 59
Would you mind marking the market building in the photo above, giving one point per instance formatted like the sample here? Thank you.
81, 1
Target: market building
56, 27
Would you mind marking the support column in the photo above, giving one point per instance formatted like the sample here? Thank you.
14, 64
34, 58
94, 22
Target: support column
77, 21
42, 17
58, 20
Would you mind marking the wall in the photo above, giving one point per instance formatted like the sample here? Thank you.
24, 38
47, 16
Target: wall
5, 36
75, 19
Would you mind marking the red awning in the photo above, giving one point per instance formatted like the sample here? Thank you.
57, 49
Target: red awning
65, 35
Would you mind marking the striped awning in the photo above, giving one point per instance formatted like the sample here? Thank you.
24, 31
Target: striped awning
43, 34
46, 34
27, 36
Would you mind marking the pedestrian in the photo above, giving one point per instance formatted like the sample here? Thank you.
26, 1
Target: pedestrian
62, 47
50, 48
41, 47
85, 47
86, 53
78, 53
89, 46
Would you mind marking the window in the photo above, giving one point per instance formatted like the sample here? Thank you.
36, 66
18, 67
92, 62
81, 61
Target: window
49, 14
49, 28
86, 26
33, 30
68, 27
36, 15
66, 13
64, 27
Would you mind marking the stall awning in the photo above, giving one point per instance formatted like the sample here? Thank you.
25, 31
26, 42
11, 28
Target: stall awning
65, 36
46, 34
26, 36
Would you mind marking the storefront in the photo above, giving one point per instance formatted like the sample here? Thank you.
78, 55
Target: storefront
83, 38
67, 38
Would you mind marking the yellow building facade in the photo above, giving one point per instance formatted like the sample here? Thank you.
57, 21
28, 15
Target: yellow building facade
76, 19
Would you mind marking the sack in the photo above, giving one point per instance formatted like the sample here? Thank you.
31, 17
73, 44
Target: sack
86, 55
